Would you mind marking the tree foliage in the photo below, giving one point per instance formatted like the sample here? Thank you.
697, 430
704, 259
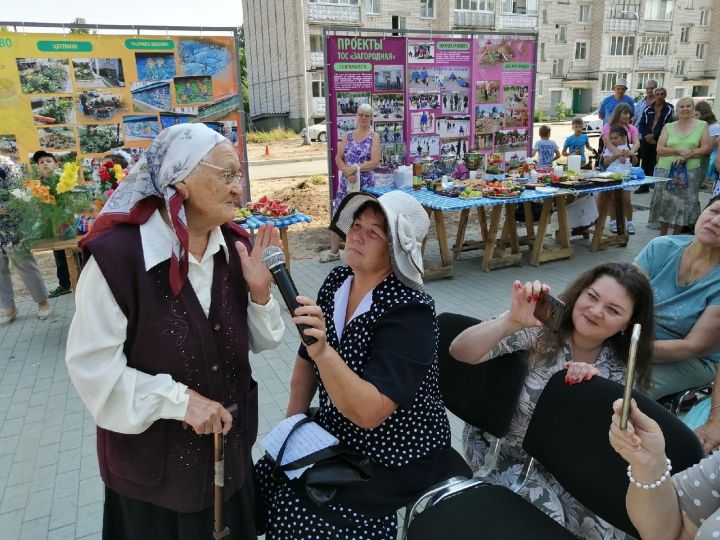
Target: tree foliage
243, 70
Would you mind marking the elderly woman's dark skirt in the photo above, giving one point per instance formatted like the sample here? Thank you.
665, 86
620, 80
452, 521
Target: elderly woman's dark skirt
130, 519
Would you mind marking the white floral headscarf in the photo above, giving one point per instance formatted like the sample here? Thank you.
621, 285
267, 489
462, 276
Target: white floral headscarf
171, 157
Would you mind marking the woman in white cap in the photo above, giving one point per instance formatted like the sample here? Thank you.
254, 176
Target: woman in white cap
376, 369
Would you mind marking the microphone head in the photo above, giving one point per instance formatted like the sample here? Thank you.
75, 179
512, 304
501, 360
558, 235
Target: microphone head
272, 256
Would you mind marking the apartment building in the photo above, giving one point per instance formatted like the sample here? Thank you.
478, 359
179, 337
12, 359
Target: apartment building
584, 46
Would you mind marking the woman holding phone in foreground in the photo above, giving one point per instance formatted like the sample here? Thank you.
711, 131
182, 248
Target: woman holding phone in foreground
680, 507
601, 307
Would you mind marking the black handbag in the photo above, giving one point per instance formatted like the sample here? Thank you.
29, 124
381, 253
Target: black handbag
332, 468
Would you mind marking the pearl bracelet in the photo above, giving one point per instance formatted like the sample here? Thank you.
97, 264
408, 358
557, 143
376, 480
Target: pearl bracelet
655, 484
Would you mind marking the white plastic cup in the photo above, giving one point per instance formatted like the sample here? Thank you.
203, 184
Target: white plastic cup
559, 170
473, 175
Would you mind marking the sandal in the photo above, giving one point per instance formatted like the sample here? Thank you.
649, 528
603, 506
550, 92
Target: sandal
329, 257
43, 314
7, 319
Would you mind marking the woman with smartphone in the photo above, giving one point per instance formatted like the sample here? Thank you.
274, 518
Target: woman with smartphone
591, 337
684, 505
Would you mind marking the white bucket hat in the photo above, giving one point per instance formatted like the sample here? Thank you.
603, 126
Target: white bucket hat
408, 224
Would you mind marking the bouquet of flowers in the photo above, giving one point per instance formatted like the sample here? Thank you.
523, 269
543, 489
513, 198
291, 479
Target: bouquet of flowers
111, 174
47, 207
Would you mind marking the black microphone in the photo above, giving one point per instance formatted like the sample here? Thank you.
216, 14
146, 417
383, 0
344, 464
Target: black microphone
274, 260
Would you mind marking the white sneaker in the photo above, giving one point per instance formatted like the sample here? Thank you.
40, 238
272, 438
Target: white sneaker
630, 227
7, 319
613, 226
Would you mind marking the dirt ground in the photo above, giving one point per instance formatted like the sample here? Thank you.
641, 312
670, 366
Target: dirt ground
291, 148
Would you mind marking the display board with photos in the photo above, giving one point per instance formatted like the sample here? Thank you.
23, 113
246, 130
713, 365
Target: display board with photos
85, 95
434, 95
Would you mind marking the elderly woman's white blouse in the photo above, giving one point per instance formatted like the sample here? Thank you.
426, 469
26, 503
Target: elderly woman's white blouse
698, 490
119, 397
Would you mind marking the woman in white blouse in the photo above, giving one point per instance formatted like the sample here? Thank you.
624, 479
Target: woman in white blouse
167, 306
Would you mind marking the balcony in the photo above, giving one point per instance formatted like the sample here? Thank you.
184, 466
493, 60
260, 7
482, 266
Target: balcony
331, 13
629, 26
653, 62
473, 19
508, 21
318, 106
617, 63
315, 60
656, 27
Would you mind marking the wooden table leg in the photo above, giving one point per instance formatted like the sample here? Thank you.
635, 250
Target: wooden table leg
72, 265
599, 240
511, 227
482, 218
542, 225
563, 226
442, 238
460, 238
429, 213
529, 221
286, 246
491, 240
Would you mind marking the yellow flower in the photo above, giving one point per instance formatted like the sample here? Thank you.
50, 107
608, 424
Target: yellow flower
68, 178
119, 174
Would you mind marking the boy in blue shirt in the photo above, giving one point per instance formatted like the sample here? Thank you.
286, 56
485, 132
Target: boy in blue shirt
546, 149
577, 142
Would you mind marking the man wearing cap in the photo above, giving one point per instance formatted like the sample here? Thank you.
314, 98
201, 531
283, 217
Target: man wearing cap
651, 124
610, 102
46, 164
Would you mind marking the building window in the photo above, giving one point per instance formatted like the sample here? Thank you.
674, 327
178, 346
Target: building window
557, 68
541, 87
427, 9
690, 4
316, 44
584, 14
607, 80
475, 5
679, 92
544, 16
643, 78
625, 9
341, 2
581, 50
372, 6
659, 10
700, 91
655, 45
700, 51
560, 33
519, 7
704, 17
542, 51
622, 45
318, 85
563, 1
680, 68
685, 34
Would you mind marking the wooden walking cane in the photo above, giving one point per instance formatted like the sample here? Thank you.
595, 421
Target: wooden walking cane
220, 531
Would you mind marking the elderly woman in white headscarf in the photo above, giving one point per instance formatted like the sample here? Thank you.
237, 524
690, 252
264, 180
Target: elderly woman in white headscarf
376, 369
171, 299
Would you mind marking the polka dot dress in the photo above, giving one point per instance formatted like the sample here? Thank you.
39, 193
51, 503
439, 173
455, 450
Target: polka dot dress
410, 433
698, 490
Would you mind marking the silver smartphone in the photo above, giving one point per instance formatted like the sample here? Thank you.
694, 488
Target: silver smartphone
627, 394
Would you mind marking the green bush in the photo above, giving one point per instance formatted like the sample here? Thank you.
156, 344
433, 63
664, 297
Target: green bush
538, 116
561, 111
277, 134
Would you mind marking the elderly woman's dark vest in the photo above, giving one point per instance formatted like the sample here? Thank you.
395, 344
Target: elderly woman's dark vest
168, 464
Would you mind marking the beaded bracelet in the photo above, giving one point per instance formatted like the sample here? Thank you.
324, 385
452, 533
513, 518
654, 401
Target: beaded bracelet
655, 484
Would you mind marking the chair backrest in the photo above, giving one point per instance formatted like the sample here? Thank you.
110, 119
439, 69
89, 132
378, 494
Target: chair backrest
568, 435
483, 395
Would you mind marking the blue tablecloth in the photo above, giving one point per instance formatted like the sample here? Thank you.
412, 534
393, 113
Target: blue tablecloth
451, 204
254, 222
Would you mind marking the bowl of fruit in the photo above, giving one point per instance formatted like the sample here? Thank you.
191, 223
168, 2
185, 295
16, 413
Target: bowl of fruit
470, 193
241, 215
270, 208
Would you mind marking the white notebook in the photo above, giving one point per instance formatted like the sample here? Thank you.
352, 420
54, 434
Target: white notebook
305, 440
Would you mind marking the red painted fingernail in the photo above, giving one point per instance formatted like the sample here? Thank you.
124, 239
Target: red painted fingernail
536, 297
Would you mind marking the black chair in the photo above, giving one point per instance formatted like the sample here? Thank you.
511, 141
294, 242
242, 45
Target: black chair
674, 402
568, 435
483, 395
